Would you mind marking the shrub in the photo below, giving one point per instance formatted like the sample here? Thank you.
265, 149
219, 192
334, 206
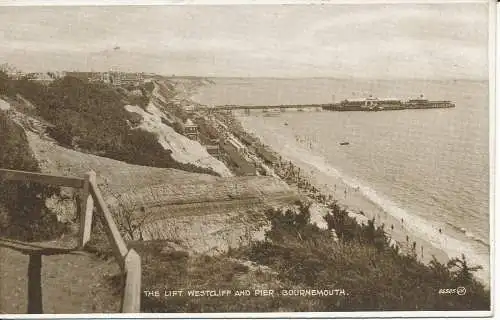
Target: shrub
362, 263
22, 204
91, 116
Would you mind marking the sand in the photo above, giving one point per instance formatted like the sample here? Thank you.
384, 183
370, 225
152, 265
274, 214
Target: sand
4, 105
428, 242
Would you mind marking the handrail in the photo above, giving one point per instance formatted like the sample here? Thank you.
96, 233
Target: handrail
131, 302
118, 244
6, 174
128, 259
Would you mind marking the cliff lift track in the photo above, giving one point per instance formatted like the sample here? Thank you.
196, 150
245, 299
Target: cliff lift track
128, 260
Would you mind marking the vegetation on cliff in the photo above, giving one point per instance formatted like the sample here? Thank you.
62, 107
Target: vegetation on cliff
91, 117
376, 275
23, 214
358, 259
296, 254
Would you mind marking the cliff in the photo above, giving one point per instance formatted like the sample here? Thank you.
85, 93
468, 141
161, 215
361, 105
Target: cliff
183, 150
199, 212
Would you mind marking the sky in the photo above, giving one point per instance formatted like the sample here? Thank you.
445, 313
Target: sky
377, 41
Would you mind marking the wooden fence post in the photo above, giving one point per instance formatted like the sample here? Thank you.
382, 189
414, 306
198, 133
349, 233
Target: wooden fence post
35, 304
87, 209
131, 302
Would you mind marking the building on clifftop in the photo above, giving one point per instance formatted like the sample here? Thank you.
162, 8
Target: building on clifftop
191, 130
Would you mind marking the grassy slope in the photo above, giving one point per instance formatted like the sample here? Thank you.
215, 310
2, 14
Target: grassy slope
91, 117
23, 214
83, 278
374, 275
175, 203
72, 283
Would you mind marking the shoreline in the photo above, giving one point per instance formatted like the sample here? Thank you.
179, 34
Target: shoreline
322, 186
332, 185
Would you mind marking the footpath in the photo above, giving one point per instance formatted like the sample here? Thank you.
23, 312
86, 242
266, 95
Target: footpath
77, 282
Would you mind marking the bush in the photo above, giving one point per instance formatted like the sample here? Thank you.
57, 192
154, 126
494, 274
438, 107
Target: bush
149, 87
375, 276
4, 84
22, 204
178, 127
91, 116
305, 257
176, 270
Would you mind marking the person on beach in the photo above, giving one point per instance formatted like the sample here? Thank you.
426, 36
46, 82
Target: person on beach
345, 193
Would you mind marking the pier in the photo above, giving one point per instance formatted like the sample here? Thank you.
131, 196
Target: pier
369, 104
282, 108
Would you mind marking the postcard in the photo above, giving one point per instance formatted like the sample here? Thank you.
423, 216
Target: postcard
247, 160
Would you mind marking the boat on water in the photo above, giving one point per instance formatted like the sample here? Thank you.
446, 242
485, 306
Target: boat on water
271, 112
344, 143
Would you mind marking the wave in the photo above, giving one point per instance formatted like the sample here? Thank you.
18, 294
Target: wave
468, 234
414, 223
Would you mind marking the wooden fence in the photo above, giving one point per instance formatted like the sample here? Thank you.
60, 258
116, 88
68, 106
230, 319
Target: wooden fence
128, 259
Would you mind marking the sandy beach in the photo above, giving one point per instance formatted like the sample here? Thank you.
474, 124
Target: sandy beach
406, 230
329, 181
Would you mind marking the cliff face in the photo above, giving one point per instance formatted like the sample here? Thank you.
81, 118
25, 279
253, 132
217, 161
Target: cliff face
199, 212
183, 149
203, 216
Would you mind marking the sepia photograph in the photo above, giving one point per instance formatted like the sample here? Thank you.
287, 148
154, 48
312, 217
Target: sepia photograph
250, 159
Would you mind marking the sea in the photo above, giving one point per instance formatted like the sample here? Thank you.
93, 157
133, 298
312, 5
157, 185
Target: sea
429, 167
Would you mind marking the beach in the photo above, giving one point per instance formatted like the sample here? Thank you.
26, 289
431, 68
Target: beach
402, 229
423, 174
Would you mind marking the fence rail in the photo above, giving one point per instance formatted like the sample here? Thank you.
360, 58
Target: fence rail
26, 176
128, 259
117, 243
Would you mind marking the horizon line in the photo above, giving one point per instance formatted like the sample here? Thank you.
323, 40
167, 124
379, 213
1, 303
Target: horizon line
173, 75
82, 3
321, 77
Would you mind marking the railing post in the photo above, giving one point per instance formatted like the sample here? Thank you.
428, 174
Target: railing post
35, 305
87, 206
131, 301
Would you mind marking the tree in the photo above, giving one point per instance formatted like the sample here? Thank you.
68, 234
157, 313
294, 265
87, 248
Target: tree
129, 222
4, 83
461, 271
26, 216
